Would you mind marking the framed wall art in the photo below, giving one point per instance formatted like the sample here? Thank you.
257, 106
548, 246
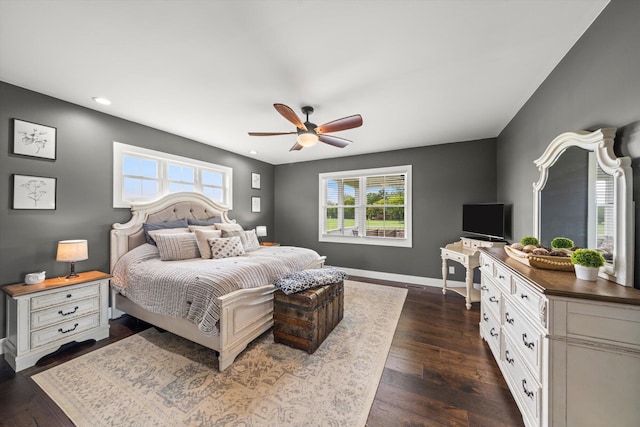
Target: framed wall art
255, 204
34, 192
34, 140
255, 181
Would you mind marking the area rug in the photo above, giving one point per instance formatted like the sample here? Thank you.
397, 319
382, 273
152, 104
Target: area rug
159, 379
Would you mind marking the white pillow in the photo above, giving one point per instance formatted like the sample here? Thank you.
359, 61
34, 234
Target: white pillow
193, 228
154, 233
203, 244
229, 227
225, 247
252, 242
177, 246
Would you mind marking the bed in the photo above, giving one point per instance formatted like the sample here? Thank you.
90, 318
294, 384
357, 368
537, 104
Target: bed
239, 304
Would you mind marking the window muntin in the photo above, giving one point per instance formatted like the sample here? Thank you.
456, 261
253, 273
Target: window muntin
141, 175
366, 206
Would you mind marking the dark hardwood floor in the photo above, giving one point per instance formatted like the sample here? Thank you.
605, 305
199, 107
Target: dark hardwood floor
439, 371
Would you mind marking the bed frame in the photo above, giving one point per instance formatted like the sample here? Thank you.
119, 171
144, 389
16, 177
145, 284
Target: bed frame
244, 314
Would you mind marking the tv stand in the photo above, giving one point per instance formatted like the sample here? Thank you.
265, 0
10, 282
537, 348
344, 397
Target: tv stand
465, 251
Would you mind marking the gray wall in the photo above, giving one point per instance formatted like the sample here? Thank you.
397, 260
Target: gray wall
596, 85
444, 177
84, 169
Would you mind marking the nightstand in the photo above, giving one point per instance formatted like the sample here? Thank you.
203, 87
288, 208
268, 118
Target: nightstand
269, 244
44, 316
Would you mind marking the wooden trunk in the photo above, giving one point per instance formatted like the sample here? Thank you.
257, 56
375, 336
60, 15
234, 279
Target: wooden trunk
304, 319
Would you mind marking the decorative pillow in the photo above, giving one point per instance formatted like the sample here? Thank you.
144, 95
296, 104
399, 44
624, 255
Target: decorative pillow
236, 233
229, 227
252, 242
201, 240
174, 247
148, 226
306, 279
210, 221
225, 247
193, 228
154, 233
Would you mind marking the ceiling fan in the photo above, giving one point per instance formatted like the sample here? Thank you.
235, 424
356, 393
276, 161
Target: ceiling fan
310, 133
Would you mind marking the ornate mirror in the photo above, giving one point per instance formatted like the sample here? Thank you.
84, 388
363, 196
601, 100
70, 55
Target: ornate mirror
585, 193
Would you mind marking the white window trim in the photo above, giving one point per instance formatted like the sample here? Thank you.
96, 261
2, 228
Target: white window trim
120, 150
406, 242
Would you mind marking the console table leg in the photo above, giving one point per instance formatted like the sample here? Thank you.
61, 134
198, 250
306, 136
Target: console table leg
444, 275
469, 283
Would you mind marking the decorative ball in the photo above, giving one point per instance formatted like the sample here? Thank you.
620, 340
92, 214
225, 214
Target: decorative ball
517, 246
529, 248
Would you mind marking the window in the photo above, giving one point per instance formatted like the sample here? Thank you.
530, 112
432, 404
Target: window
371, 206
140, 174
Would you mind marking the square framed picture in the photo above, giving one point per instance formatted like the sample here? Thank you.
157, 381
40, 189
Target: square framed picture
255, 181
34, 140
34, 192
255, 204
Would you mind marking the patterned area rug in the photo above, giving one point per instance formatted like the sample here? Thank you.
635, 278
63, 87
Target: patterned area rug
159, 379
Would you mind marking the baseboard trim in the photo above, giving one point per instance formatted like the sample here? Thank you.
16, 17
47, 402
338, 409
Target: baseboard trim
404, 278
2, 345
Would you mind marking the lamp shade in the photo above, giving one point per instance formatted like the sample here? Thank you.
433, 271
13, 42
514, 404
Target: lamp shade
307, 138
72, 250
261, 230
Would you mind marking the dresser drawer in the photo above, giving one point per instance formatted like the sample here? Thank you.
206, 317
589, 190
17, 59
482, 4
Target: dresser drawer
68, 294
524, 387
525, 337
486, 265
490, 331
503, 278
64, 312
491, 296
532, 301
64, 330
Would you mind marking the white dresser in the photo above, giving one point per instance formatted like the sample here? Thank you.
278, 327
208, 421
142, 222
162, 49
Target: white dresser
568, 349
44, 316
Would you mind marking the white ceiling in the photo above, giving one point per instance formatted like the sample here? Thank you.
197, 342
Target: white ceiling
420, 72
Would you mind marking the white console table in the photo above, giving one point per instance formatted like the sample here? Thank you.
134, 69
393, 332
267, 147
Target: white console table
465, 251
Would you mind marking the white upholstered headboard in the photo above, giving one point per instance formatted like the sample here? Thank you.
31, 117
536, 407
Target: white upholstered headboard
129, 235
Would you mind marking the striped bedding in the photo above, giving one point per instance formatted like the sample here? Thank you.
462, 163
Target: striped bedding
189, 288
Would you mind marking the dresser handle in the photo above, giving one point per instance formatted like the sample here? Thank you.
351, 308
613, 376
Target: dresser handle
485, 317
68, 330
494, 299
500, 276
527, 344
483, 288
493, 332
527, 392
523, 296
509, 320
69, 295
69, 312
486, 265
511, 360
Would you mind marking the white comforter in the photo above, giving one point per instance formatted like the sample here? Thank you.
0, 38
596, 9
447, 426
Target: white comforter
189, 288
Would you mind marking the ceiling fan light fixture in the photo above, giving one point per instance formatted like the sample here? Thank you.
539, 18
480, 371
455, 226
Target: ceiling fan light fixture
307, 139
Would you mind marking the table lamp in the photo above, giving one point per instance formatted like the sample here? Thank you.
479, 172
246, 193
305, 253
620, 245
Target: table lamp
261, 231
72, 251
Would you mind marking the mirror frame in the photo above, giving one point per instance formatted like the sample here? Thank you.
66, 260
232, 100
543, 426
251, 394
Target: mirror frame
601, 143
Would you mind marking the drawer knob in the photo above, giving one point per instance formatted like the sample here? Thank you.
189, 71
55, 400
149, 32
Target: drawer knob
500, 276
68, 330
69, 295
510, 360
68, 312
485, 317
523, 296
494, 299
509, 320
527, 344
493, 332
524, 388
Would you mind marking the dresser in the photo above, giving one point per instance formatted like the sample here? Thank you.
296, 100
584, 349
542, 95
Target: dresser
568, 349
44, 316
465, 252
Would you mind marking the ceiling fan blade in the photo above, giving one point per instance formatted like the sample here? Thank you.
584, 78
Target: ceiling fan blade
334, 140
341, 124
290, 115
270, 133
296, 147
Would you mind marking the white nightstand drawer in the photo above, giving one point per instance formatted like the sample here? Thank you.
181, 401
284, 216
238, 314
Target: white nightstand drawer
525, 388
68, 294
527, 339
64, 330
64, 312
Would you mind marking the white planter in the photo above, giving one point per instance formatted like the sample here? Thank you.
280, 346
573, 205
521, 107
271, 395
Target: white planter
586, 273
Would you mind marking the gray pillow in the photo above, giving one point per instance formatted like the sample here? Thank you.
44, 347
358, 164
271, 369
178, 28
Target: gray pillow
148, 226
210, 221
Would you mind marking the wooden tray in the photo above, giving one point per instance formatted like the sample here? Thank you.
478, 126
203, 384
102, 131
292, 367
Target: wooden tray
540, 261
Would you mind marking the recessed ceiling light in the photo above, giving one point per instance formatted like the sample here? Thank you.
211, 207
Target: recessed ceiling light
253, 152
100, 100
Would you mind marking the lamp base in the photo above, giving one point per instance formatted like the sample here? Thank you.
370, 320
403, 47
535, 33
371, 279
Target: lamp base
72, 271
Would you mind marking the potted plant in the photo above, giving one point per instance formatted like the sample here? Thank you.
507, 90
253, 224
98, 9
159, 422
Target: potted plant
562, 243
587, 262
529, 240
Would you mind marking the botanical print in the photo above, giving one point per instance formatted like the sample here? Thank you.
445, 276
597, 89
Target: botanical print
31, 139
32, 192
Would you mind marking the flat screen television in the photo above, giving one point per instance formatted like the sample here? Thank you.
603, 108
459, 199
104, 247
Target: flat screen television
484, 220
